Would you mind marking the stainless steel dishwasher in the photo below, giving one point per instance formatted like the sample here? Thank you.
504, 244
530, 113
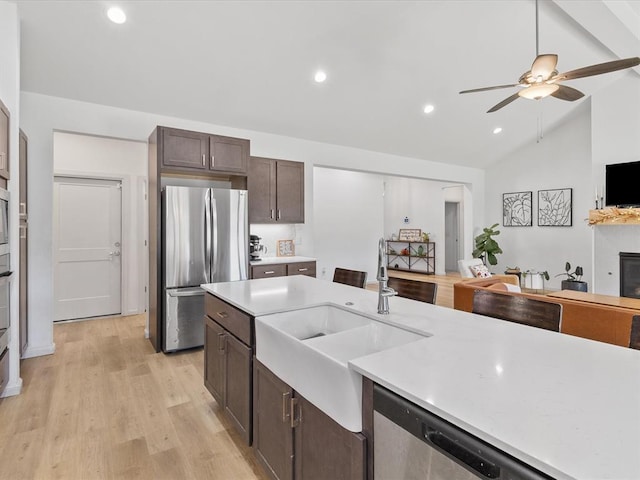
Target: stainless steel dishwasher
412, 443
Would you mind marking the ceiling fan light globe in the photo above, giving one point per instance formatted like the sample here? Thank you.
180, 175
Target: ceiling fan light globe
538, 91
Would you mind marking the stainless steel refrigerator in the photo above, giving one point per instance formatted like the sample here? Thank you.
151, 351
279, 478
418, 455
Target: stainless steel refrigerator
206, 240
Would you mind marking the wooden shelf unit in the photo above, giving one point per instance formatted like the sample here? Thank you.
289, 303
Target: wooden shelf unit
421, 257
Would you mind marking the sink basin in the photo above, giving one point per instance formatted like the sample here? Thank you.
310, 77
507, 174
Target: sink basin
310, 349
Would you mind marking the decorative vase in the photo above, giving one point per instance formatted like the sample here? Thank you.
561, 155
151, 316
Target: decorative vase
576, 285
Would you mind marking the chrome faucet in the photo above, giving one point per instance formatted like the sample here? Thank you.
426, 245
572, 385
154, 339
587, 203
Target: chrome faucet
384, 292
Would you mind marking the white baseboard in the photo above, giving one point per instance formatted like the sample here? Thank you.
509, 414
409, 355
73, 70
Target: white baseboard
31, 352
146, 333
12, 389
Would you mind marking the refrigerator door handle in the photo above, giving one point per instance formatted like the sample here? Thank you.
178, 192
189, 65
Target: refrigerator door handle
207, 236
214, 222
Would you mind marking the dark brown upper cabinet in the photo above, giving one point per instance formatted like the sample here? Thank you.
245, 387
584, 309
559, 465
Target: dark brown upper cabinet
187, 151
276, 191
4, 141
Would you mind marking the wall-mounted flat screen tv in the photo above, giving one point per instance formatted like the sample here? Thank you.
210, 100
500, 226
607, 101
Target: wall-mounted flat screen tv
622, 187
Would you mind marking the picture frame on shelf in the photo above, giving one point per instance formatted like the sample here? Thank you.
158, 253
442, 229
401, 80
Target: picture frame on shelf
555, 207
286, 248
410, 235
517, 209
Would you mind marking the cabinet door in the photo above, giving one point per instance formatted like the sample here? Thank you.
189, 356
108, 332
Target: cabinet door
228, 154
4, 141
184, 149
261, 183
238, 358
290, 191
214, 362
266, 271
272, 432
324, 449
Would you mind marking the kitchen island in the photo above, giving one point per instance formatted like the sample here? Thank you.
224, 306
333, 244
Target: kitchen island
566, 406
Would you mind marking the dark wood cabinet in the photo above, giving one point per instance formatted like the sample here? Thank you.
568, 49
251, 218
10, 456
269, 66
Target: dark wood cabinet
295, 439
187, 150
272, 434
4, 141
283, 269
228, 363
276, 191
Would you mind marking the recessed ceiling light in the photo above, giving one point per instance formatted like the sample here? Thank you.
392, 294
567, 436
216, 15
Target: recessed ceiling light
320, 76
429, 108
497, 130
116, 15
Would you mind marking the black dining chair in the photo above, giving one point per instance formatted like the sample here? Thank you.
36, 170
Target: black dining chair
518, 309
354, 278
414, 289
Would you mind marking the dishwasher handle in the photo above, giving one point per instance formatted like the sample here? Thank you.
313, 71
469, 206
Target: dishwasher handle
467, 456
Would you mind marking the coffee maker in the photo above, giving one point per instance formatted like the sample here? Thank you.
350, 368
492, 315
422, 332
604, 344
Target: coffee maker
255, 248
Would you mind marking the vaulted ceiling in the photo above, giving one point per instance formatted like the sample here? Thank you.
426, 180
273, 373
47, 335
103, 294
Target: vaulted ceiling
250, 64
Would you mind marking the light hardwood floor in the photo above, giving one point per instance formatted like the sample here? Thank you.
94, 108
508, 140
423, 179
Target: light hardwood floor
106, 406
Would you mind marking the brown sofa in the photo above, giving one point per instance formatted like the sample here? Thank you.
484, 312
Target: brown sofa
588, 320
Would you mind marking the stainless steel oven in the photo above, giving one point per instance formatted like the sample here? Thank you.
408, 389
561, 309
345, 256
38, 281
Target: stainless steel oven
4, 221
4, 312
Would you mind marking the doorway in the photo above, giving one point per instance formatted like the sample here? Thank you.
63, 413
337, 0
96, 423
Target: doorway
87, 239
451, 236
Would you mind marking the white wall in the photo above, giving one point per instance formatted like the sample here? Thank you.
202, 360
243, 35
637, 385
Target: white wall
10, 96
42, 115
100, 157
615, 138
422, 201
562, 159
348, 221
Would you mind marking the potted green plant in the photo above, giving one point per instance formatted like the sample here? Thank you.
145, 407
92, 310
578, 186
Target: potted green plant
486, 246
573, 280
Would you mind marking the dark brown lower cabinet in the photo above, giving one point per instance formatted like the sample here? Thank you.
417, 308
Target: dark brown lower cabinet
227, 375
295, 439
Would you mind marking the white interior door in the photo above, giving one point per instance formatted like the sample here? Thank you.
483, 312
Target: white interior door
451, 236
87, 247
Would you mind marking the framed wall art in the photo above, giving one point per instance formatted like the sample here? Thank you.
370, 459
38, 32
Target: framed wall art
555, 208
410, 235
286, 248
517, 209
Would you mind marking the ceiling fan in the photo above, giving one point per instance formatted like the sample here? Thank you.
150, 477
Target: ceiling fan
543, 79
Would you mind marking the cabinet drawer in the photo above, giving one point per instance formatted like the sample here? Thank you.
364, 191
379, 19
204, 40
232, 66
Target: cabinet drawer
235, 321
302, 268
266, 271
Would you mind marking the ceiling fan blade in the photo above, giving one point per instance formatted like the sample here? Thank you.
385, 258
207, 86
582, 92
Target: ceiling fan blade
598, 69
544, 66
484, 89
569, 94
504, 103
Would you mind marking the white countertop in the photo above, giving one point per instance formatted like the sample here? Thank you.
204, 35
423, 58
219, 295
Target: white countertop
565, 405
274, 260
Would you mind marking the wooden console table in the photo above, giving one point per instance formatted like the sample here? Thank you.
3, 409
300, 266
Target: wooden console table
622, 302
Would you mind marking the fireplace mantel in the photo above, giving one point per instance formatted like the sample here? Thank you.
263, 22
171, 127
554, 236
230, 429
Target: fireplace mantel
615, 216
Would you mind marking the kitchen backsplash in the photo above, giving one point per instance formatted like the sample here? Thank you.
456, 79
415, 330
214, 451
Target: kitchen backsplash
270, 235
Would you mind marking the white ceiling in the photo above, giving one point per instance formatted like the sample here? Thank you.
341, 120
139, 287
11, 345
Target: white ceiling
250, 64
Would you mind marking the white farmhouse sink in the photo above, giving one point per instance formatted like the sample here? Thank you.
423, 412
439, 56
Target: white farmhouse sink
310, 349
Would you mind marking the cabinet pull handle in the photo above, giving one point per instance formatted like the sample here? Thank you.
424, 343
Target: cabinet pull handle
221, 343
295, 421
213, 161
204, 160
272, 214
303, 269
285, 411
23, 231
222, 314
279, 214
269, 272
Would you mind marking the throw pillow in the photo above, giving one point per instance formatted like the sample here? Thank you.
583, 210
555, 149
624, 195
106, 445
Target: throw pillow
480, 271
